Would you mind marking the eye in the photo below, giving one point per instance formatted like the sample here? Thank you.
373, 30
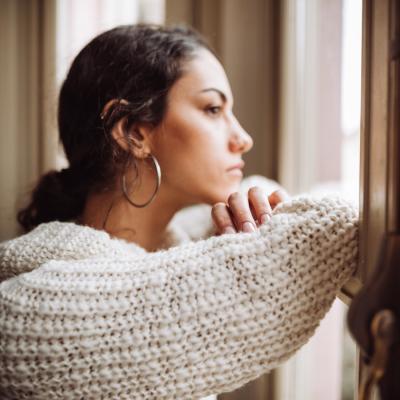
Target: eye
213, 110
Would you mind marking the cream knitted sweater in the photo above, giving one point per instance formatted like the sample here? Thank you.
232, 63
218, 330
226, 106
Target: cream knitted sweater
86, 316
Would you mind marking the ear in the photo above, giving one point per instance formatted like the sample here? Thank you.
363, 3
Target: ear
136, 141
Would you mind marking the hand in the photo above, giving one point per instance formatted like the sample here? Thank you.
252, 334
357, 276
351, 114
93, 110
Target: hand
245, 215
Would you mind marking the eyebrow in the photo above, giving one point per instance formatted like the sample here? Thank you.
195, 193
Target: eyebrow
222, 94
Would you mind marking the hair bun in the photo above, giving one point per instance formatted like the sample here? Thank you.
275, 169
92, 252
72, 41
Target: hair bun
54, 198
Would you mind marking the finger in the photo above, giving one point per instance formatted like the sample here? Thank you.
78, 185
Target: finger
260, 204
242, 216
278, 197
222, 218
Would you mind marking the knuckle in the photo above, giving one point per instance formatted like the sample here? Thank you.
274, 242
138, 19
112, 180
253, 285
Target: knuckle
217, 207
234, 196
257, 194
259, 198
219, 212
255, 189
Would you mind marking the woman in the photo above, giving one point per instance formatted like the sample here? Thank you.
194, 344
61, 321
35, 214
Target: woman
103, 299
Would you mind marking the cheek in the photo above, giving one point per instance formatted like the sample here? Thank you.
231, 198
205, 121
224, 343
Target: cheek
196, 136
193, 152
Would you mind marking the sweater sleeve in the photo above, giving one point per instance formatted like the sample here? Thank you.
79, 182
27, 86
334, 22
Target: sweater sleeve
197, 319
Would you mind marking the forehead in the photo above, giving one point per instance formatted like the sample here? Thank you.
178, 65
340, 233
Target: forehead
201, 72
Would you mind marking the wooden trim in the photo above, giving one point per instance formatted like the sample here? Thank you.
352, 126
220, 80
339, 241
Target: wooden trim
379, 139
380, 134
393, 223
365, 126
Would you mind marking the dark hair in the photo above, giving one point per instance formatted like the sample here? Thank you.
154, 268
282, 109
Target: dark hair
137, 63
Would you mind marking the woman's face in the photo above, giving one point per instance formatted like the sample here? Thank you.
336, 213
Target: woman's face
200, 139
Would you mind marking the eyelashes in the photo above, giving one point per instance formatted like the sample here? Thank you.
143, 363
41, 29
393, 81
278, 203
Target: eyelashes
213, 110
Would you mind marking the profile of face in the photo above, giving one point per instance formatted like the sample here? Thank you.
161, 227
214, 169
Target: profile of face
199, 139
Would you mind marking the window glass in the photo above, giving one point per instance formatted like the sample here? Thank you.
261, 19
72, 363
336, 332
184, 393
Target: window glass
321, 101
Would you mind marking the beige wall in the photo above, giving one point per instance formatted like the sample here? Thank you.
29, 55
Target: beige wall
246, 36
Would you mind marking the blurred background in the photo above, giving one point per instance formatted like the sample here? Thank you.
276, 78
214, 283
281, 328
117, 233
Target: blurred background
295, 71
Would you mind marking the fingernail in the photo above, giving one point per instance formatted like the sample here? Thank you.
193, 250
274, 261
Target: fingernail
265, 217
248, 227
229, 229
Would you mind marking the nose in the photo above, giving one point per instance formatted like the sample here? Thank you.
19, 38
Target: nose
239, 140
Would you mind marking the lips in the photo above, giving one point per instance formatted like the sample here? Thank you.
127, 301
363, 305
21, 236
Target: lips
239, 165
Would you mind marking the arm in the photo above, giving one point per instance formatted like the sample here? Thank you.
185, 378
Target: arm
200, 318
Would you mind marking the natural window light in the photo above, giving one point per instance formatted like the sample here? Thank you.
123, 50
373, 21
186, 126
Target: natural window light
320, 155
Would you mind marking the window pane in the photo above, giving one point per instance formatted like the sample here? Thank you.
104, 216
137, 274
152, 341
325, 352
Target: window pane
321, 103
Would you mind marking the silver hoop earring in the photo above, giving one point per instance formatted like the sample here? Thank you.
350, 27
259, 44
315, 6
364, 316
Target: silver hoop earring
158, 172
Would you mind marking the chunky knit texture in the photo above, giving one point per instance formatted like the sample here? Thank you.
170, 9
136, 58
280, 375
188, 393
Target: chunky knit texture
86, 316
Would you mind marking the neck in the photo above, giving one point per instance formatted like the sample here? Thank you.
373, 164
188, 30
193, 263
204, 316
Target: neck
144, 226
